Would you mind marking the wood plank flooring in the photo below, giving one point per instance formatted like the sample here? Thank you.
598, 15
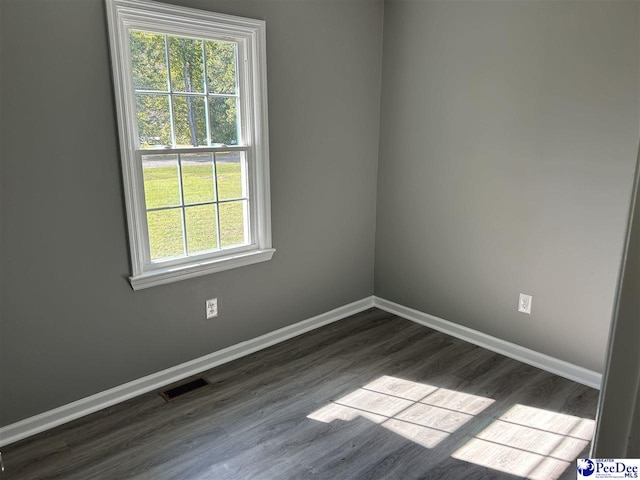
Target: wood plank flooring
370, 397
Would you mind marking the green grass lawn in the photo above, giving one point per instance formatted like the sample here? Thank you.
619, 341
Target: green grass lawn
165, 226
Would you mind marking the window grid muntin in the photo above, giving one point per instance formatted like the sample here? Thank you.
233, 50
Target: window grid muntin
207, 121
171, 93
182, 213
206, 94
169, 86
216, 195
197, 204
245, 199
249, 35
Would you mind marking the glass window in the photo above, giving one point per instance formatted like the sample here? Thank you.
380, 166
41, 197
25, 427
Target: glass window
191, 102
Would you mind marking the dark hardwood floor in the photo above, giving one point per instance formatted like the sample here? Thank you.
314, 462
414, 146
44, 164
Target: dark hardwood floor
370, 397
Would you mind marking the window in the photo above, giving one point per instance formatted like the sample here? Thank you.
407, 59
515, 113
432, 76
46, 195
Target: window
190, 91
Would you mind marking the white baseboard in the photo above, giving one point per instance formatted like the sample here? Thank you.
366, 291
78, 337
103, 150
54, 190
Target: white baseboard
52, 418
85, 406
508, 349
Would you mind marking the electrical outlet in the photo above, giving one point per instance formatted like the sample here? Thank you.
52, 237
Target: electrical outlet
212, 308
524, 304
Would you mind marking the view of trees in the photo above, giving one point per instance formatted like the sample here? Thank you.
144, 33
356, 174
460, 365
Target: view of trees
195, 202
198, 77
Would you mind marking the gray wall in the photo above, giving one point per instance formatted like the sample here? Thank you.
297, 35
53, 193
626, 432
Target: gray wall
71, 325
507, 146
618, 426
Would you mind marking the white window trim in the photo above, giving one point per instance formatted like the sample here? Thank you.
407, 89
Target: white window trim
124, 15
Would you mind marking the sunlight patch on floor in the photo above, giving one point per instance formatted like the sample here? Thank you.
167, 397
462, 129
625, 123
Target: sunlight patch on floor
529, 442
422, 413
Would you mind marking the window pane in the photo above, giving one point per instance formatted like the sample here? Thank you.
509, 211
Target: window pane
232, 223
148, 61
197, 177
223, 119
152, 112
161, 186
201, 228
165, 233
189, 120
221, 67
185, 58
229, 170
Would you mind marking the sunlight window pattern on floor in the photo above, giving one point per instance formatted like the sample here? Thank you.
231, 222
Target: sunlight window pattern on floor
529, 442
424, 414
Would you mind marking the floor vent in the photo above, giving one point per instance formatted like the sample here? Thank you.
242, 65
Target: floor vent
185, 388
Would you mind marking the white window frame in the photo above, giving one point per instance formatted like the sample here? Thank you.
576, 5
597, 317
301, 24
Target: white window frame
249, 35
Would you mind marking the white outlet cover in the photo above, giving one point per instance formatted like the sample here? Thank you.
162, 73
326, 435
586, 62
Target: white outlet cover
212, 308
524, 303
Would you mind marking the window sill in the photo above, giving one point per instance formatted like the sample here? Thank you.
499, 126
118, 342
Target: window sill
183, 272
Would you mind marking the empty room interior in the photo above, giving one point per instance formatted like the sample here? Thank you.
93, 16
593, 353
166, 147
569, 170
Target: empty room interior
429, 170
